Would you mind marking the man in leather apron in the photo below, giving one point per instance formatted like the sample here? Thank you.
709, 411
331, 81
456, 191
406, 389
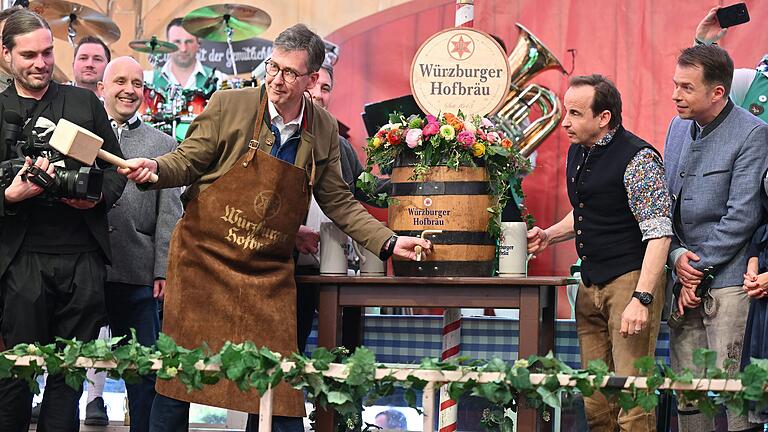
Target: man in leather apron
251, 161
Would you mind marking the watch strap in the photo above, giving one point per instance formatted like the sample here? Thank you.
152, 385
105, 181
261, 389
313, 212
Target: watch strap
386, 252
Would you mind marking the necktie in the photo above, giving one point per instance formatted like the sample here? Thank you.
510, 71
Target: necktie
276, 145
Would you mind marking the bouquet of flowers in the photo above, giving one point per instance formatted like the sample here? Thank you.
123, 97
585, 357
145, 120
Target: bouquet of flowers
451, 140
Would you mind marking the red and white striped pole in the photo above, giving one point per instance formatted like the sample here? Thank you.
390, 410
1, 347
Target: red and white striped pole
449, 409
465, 13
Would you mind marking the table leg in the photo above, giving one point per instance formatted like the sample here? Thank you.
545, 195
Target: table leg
328, 336
530, 323
536, 337
328, 317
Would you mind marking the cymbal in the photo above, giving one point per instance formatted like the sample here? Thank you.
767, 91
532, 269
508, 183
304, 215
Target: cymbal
85, 21
210, 22
153, 46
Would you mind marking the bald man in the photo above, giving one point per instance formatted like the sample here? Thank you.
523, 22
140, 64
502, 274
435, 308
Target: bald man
140, 226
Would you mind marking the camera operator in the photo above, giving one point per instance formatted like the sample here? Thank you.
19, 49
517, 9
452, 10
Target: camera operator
53, 226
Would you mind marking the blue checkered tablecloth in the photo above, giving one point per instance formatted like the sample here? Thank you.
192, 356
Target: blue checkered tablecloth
409, 338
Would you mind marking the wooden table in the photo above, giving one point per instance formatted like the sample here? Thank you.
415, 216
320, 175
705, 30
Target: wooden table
533, 296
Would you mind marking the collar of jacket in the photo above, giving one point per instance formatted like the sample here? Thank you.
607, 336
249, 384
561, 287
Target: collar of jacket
714, 123
304, 151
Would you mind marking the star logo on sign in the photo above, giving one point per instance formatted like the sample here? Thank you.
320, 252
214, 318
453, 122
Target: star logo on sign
266, 205
460, 47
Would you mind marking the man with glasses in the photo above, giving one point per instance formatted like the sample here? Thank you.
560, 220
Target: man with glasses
230, 270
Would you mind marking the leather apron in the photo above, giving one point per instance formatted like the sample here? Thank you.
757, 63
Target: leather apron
230, 271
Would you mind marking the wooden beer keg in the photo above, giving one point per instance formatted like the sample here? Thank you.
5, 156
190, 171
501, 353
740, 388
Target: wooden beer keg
453, 202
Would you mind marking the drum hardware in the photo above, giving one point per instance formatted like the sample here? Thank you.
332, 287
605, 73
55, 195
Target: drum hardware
227, 23
237, 83
153, 46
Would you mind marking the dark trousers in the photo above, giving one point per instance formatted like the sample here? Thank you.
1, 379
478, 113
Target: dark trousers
45, 296
171, 415
134, 307
306, 305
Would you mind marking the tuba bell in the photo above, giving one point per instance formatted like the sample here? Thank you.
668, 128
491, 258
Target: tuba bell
529, 58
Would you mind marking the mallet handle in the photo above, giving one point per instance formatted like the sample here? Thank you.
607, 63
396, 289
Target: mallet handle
120, 162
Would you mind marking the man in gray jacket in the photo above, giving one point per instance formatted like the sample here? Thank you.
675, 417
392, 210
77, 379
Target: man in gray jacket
715, 157
140, 226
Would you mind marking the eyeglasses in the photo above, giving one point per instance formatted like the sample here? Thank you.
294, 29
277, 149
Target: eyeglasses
289, 75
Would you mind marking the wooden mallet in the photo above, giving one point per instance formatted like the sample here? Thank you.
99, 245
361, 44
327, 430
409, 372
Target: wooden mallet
83, 145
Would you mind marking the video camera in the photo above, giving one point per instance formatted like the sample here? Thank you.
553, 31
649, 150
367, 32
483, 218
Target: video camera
83, 183
709, 304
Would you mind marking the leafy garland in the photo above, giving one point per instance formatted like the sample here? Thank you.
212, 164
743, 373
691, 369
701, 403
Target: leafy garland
251, 367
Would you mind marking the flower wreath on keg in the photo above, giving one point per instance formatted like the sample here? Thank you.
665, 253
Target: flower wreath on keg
452, 140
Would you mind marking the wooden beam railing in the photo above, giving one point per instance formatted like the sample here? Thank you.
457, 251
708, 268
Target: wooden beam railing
434, 379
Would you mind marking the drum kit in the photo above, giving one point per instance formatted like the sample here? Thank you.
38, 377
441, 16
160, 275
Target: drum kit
171, 108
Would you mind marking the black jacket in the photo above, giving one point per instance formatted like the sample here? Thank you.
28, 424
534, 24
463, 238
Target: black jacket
83, 108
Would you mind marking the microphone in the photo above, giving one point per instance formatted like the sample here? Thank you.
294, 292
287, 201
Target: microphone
211, 79
13, 128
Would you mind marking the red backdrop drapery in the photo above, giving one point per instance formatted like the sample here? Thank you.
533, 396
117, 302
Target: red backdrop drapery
635, 43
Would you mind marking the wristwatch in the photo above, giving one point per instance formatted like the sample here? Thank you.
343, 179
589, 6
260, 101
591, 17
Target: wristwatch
388, 249
645, 298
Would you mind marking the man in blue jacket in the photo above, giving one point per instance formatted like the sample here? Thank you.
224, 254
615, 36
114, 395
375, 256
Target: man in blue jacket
715, 156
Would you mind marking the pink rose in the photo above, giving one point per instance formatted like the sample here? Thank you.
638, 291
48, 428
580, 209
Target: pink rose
469, 126
413, 137
467, 138
430, 129
486, 123
492, 137
431, 119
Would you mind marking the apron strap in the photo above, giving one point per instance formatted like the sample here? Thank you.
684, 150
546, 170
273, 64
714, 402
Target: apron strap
253, 144
309, 119
312, 170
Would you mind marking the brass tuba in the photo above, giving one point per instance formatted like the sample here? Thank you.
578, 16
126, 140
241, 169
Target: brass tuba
528, 59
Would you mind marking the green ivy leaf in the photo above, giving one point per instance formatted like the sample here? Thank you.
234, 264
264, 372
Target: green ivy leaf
704, 358
338, 398
6, 365
74, 379
166, 345
626, 401
551, 398
410, 397
647, 401
645, 365
361, 367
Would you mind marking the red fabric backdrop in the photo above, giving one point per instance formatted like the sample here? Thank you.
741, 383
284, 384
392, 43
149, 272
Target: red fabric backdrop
635, 43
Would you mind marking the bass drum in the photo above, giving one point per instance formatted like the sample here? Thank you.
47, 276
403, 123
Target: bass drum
151, 104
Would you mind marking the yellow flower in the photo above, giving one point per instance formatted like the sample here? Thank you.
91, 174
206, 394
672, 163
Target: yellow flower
478, 149
447, 132
376, 142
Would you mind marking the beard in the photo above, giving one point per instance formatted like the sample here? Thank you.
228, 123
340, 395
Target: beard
23, 79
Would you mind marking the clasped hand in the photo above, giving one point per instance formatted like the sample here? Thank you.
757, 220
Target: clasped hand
690, 278
756, 285
139, 170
